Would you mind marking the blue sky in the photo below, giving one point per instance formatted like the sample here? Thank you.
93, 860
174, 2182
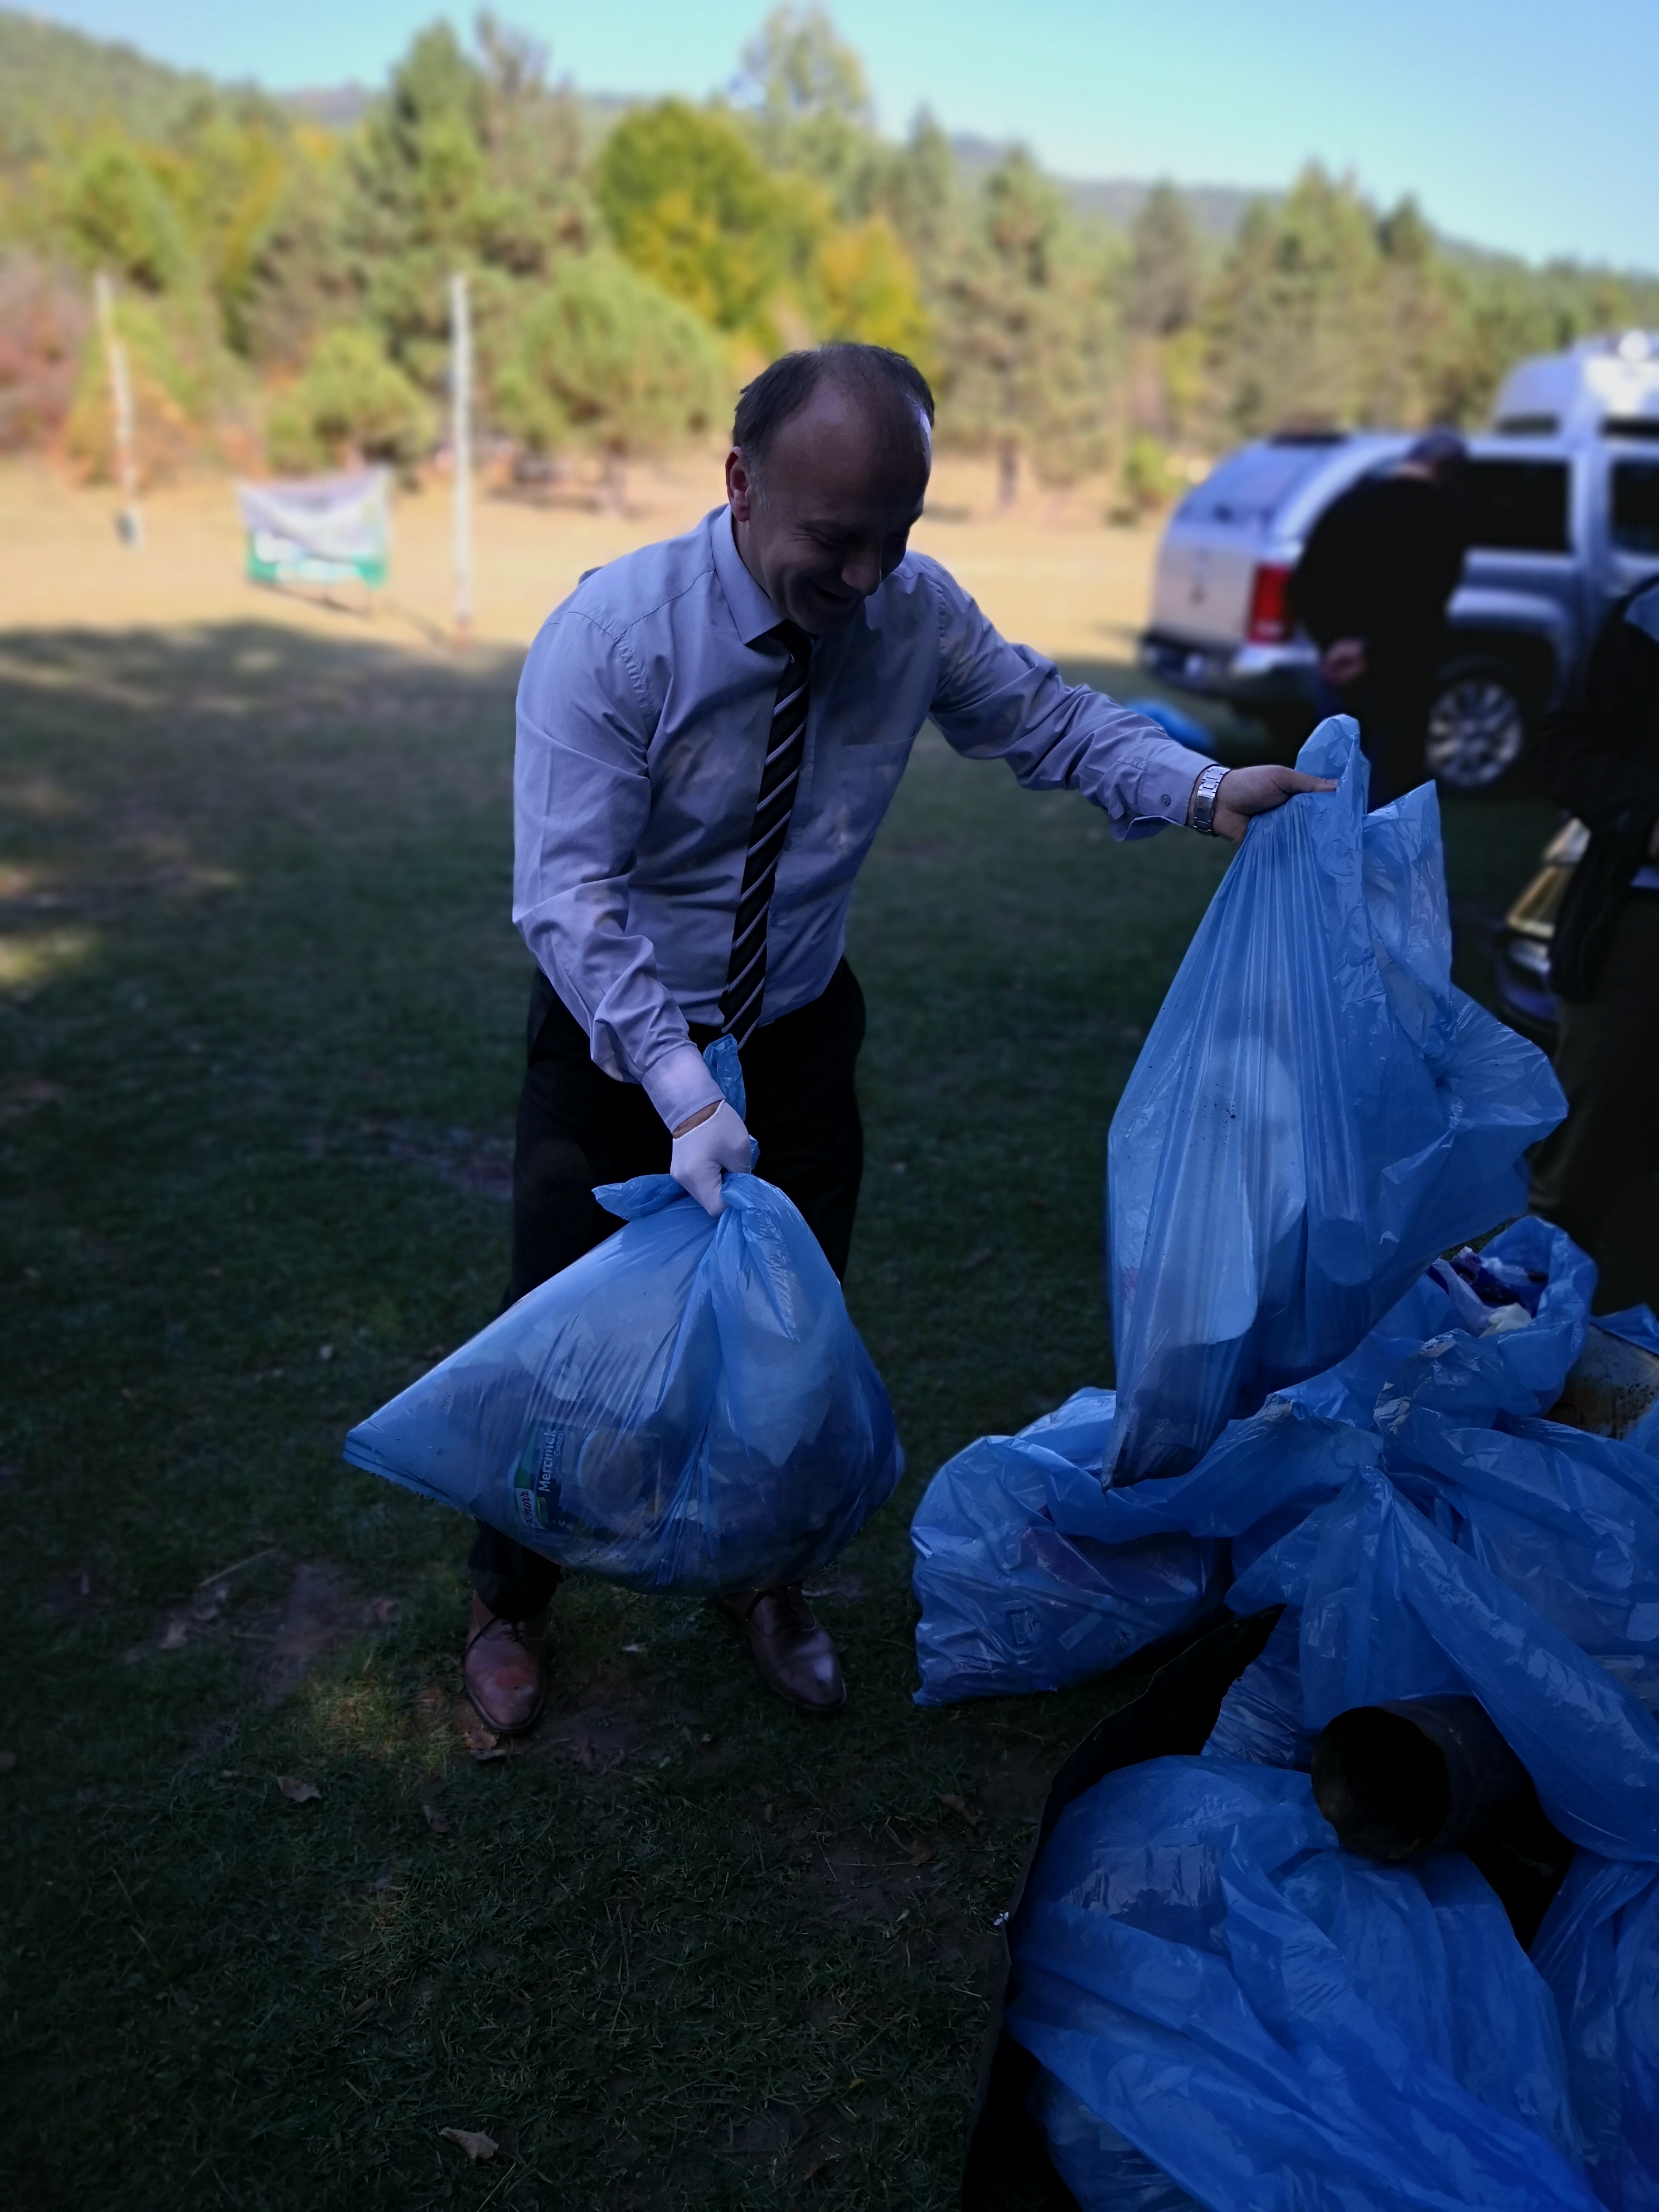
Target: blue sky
1516, 123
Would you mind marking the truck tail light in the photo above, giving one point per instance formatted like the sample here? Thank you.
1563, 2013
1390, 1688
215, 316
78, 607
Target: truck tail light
1271, 620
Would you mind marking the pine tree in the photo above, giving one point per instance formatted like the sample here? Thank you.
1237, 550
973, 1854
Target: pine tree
1024, 333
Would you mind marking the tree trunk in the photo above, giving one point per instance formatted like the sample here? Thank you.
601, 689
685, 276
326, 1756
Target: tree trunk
613, 481
1007, 474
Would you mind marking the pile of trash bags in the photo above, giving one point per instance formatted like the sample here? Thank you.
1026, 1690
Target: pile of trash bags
1316, 1113
686, 1408
1228, 2009
1201, 1971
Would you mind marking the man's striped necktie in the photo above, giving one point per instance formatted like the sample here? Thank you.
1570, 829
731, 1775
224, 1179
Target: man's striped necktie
746, 977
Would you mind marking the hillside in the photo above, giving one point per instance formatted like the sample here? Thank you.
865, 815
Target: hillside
53, 79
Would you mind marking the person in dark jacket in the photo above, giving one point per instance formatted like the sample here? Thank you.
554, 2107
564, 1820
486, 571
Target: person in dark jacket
1372, 590
1599, 758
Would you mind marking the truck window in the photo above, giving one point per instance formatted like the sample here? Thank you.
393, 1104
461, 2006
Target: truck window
1246, 490
1636, 507
1518, 507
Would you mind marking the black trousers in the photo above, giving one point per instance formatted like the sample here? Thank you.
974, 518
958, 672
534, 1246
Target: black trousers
579, 1126
1391, 705
1608, 1059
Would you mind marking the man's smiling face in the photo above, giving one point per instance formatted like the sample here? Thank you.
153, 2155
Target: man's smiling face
843, 482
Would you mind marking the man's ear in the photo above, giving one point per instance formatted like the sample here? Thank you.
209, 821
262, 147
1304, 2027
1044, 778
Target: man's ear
739, 486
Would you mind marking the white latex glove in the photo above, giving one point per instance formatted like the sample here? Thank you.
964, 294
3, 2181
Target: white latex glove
705, 1149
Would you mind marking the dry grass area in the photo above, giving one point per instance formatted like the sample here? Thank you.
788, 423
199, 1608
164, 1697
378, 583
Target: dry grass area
1052, 573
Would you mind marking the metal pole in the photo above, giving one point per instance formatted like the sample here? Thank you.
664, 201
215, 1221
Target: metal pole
129, 523
460, 445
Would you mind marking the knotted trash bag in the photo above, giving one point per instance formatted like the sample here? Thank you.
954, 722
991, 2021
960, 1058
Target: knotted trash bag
1316, 1113
1011, 1601
688, 1406
1227, 2006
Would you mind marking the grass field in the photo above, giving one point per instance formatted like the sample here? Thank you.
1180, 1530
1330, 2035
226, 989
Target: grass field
261, 1018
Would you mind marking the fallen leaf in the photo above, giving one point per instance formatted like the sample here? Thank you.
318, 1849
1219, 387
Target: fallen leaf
325, 1352
381, 1612
177, 1634
957, 1806
634, 1647
436, 1821
8, 1760
480, 2148
361, 2011
296, 1791
920, 1850
819, 2165
857, 2083
482, 1744
581, 1750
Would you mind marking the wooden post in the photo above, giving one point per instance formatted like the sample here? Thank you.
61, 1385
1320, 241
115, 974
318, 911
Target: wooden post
129, 523
460, 446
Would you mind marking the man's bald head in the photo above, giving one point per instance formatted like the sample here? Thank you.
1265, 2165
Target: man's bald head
827, 473
888, 391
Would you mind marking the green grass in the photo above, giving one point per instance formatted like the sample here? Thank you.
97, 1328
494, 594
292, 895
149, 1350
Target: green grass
263, 1019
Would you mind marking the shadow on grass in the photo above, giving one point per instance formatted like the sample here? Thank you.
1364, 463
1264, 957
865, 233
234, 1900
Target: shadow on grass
261, 1009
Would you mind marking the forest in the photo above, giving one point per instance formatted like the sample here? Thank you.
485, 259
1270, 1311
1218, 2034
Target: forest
280, 272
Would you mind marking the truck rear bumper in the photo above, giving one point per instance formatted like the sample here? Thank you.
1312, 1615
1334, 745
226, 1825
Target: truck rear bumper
1257, 678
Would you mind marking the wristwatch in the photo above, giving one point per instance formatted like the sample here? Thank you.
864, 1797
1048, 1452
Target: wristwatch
1204, 790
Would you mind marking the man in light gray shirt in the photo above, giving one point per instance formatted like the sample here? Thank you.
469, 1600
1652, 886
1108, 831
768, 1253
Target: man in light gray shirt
710, 731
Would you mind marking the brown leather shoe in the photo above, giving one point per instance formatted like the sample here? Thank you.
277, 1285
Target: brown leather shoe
505, 1669
793, 1653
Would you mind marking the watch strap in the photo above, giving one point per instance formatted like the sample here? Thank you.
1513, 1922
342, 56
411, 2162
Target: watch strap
1204, 791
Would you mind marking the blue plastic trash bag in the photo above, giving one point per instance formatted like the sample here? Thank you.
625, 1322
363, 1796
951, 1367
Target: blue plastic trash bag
1010, 1602
1391, 1607
1276, 2025
1638, 1325
1598, 1950
1032, 1575
1261, 1477
1570, 1522
1316, 1116
1260, 1717
686, 1408
1102, 2168
1529, 1350
1185, 729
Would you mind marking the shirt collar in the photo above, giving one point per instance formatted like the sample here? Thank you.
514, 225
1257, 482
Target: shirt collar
751, 610
1642, 612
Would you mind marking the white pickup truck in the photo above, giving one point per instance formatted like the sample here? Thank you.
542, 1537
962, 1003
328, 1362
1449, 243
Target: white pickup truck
1564, 514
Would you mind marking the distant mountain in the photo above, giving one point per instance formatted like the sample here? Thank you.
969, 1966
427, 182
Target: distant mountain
336, 107
1217, 209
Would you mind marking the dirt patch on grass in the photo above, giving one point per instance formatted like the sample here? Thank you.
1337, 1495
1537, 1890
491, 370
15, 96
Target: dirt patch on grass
461, 1156
320, 1611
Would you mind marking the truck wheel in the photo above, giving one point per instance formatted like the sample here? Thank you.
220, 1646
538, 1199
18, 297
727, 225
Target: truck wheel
1477, 726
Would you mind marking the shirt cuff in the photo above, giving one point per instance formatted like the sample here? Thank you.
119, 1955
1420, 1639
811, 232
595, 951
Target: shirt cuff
678, 1084
1172, 799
